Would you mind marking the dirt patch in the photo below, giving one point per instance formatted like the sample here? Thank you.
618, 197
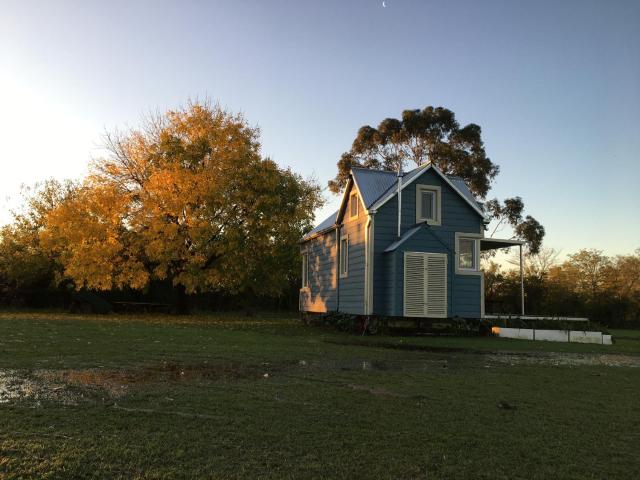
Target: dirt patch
15, 385
111, 379
511, 358
71, 386
407, 347
565, 359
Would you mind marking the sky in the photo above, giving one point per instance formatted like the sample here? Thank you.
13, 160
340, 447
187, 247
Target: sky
555, 86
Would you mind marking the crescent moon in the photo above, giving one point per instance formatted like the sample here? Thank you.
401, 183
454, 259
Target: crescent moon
384, 4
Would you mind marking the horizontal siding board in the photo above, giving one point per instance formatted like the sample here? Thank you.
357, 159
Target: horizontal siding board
321, 296
463, 291
351, 295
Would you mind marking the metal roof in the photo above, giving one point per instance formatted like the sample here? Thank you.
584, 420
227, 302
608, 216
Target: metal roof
326, 224
405, 236
462, 187
493, 243
373, 183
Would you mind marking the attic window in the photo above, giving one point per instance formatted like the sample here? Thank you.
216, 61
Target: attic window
428, 204
353, 205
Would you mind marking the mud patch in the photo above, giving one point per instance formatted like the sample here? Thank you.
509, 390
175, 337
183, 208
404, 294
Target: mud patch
565, 359
114, 380
71, 386
404, 346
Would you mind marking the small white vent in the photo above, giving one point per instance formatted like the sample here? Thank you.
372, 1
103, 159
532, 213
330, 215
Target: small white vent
425, 284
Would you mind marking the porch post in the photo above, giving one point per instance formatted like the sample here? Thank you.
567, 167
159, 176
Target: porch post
521, 283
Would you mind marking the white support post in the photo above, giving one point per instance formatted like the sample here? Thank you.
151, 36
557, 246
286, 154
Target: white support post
399, 200
521, 283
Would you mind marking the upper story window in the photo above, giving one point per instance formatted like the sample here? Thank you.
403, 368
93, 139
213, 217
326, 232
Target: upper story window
353, 205
344, 256
305, 269
428, 204
468, 253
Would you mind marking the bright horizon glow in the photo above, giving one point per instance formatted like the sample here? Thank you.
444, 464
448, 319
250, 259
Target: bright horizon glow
555, 88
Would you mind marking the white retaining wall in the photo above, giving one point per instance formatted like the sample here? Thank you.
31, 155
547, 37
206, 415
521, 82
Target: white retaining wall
573, 336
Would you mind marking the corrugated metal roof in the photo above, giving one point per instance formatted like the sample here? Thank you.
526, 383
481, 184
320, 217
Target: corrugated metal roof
373, 183
462, 187
326, 224
459, 186
412, 173
405, 236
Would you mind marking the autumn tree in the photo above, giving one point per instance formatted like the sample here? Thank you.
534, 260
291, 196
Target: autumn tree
23, 261
188, 198
434, 135
586, 272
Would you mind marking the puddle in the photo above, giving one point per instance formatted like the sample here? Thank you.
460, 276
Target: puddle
566, 359
74, 386
71, 386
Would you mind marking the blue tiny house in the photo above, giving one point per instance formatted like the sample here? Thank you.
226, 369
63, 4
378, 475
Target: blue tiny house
399, 246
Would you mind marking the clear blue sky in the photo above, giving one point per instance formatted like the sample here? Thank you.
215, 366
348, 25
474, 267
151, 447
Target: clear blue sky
555, 86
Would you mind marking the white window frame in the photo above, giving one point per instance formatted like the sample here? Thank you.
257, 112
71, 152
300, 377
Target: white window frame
305, 270
476, 252
438, 210
353, 197
343, 269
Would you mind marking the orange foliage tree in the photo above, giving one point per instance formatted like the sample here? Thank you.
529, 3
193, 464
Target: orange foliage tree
189, 198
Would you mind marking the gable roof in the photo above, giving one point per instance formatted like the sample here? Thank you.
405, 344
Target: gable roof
373, 183
457, 184
462, 187
376, 187
405, 236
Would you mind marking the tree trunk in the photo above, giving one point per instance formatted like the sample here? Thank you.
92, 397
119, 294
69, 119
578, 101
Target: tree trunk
182, 301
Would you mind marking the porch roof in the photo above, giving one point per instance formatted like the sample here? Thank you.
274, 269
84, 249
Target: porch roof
493, 243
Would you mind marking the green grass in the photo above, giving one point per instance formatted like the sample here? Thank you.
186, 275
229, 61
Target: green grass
169, 397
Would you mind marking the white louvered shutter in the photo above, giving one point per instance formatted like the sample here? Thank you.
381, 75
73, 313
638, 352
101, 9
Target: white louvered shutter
414, 285
436, 273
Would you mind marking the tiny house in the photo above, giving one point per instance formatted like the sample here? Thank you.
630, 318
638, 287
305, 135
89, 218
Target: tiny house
400, 245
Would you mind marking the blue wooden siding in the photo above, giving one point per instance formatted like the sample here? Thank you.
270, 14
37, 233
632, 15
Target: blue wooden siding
463, 291
385, 233
327, 291
321, 295
351, 294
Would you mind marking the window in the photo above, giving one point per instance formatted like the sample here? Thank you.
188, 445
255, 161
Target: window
305, 270
468, 253
428, 204
344, 256
353, 205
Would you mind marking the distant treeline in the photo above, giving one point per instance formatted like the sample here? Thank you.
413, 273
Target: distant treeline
587, 284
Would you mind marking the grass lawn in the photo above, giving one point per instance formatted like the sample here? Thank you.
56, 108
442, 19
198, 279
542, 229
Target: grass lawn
267, 397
